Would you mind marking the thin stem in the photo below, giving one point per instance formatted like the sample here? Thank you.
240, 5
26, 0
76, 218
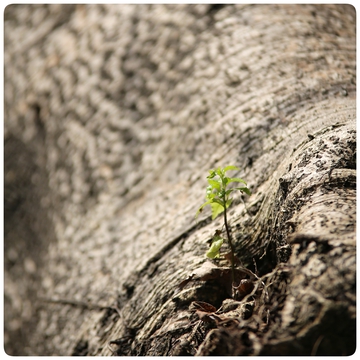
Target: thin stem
231, 246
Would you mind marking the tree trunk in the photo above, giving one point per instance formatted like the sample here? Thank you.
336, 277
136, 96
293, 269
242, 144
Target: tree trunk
114, 114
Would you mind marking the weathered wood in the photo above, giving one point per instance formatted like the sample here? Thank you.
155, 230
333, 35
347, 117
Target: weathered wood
114, 114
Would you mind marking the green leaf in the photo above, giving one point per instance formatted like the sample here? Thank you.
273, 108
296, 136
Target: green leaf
230, 167
217, 209
202, 207
217, 194
237, 180
212, 174
244, 189
218, 201
209, 193
214, 184
219, 171
216, 244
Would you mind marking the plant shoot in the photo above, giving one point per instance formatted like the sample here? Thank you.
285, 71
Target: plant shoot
218, 195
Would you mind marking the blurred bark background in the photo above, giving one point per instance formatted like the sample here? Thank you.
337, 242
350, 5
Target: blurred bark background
114, 114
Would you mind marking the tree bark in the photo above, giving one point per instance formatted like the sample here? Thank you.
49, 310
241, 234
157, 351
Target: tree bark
114, 114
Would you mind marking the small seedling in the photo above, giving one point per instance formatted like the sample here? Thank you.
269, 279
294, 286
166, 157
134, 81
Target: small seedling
218, 197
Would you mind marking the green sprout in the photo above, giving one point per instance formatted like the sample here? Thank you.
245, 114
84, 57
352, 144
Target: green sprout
218, 197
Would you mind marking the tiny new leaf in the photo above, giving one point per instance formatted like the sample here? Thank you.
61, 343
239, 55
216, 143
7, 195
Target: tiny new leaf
236, 180
201, 208
230, 167
216, 209
244, 189
213, 252
214, 184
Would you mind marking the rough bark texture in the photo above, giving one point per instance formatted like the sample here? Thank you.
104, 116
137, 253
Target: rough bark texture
114, 114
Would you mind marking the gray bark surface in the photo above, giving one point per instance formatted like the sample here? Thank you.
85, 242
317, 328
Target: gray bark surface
114, 114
